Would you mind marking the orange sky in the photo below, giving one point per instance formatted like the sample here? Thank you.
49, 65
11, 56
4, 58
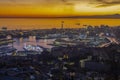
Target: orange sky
58, 8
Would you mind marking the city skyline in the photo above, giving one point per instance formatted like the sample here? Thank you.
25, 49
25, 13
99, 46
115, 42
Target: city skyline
58, 8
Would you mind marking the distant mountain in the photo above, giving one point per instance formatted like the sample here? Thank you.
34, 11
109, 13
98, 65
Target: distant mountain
115, 16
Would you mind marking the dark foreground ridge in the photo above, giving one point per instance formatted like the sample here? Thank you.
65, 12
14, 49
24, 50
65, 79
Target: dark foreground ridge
64, 63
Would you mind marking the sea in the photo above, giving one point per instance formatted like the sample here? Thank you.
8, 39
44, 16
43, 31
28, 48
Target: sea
48, 23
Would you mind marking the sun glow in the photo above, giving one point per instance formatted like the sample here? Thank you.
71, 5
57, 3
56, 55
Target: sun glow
55, 9
86, 9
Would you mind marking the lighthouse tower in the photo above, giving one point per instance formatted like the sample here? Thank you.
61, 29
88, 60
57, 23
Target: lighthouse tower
62, 24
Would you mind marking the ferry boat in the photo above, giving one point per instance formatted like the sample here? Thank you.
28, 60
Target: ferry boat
32, 48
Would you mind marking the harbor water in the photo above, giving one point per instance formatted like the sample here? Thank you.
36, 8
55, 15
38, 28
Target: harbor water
20, 42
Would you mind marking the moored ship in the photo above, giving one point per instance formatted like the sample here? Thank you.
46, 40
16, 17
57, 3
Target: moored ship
32, 48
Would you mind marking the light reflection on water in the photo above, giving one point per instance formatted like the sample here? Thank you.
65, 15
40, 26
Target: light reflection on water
19, 42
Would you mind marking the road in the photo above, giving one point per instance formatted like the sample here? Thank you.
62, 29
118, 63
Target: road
112, 40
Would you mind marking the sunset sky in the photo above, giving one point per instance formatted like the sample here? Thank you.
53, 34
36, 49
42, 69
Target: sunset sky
58, 8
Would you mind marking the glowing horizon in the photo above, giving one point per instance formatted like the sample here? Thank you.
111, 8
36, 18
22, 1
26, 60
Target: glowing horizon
58, 8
